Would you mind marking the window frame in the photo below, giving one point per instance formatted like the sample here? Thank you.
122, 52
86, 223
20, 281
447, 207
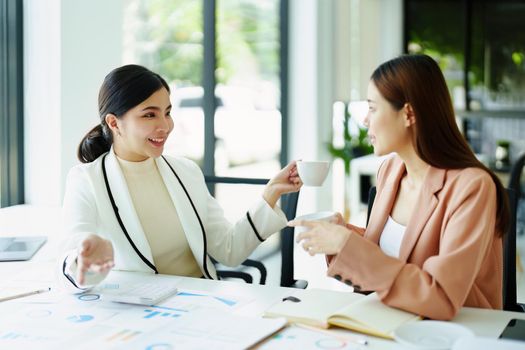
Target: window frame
209, 103
11, 103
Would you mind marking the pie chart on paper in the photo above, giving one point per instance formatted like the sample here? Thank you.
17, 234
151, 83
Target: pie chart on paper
80, 318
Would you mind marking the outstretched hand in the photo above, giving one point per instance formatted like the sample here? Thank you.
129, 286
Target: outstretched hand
287, 180
95, 255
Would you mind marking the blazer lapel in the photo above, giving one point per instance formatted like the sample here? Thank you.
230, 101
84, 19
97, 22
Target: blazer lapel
425, 205
383, 204
188, 218
124, 203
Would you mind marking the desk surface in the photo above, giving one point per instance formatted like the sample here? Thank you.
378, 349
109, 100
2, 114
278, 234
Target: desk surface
41, 269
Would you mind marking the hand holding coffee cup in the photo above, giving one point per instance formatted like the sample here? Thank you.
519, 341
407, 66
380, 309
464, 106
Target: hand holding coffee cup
321, 233
313, 173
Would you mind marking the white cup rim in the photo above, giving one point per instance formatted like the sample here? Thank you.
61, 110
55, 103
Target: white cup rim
316, 216
313, 161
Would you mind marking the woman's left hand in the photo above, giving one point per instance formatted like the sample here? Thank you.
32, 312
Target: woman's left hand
321, 237
287, 180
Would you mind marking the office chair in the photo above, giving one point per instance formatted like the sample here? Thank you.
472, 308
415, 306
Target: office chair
510, 302
371, 197
289, 207
515, 183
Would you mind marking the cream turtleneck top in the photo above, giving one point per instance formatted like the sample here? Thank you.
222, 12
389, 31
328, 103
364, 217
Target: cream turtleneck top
159, 219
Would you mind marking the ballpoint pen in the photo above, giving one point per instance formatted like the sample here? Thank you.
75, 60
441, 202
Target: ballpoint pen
345, 337
23, 294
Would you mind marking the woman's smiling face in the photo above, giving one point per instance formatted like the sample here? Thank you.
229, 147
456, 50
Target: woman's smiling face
143, 130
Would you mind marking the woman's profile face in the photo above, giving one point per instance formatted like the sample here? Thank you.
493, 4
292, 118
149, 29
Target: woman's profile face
386, 126
144, 129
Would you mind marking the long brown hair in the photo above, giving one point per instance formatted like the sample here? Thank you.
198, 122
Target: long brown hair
417, 80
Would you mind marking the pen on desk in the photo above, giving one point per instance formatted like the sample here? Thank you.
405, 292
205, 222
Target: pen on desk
26, 294
356, 340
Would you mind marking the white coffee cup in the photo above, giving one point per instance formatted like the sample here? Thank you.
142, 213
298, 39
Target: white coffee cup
313, 173
319, 216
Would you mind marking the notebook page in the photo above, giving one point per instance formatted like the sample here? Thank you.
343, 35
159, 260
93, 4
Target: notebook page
370, 313
314, 308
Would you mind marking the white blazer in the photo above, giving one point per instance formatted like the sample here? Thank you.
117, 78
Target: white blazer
88, 209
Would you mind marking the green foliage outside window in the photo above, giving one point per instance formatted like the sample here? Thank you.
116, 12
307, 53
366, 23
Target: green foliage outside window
168, 37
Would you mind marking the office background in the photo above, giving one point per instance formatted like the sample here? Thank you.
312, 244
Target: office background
282, 63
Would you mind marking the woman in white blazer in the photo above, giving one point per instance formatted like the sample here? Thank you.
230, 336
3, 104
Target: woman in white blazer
130, 208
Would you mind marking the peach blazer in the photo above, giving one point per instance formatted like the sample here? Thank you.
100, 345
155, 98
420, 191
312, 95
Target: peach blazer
450, 256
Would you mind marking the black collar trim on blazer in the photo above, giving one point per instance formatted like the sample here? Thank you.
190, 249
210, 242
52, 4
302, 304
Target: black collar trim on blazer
70, 279
119, 219
205, 254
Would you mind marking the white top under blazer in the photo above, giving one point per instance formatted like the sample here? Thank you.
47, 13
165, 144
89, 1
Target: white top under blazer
87, 208
392, 237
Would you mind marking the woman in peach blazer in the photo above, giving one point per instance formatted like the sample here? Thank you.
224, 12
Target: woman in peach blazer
433, 243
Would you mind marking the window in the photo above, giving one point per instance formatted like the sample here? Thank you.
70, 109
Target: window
248, 127
244, 51
497, 69
480, 46
11, 104
435, 28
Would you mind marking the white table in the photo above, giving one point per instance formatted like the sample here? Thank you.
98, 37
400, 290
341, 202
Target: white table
41, 270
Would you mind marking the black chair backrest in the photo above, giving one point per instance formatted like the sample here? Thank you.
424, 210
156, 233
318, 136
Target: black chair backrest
211, 181
371, 198
509, 259
510, 302
289, 207
515, 175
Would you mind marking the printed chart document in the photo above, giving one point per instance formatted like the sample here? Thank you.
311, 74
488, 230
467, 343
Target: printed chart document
298, 338
210, 329
360, 313
192, 320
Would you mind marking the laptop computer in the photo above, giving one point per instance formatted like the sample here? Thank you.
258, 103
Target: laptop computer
20, 248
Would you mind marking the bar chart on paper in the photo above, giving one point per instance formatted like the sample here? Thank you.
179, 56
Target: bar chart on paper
151, 313
28, 337
80, 318
188, 300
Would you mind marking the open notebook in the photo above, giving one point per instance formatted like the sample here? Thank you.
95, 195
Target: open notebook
357, 312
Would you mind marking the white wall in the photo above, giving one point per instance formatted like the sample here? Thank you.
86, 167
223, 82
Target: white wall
70, 46
376, 35
42, 126
91, 47
308, 80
